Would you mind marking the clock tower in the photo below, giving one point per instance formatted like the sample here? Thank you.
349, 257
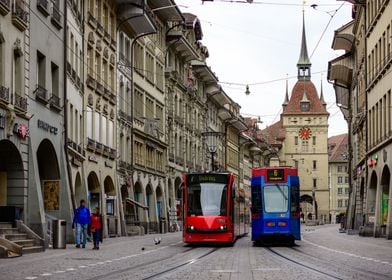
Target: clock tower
301, 138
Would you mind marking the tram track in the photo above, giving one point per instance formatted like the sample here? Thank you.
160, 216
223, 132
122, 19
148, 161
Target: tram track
365, 273
137, 266
274, 252
189, 262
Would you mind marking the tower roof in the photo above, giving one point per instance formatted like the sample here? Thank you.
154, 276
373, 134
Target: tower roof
304, 90
303, 56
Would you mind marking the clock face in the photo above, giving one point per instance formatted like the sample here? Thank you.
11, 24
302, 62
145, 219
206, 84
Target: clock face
305, 133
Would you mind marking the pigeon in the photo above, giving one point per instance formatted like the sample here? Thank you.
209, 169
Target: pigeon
157, 241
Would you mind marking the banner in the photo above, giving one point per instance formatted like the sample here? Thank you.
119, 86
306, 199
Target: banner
384, 208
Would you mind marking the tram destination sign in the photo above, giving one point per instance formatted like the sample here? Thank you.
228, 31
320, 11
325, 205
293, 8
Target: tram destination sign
207, 178
275, 175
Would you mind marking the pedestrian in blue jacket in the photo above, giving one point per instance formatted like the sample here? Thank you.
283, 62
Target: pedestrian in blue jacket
81, 220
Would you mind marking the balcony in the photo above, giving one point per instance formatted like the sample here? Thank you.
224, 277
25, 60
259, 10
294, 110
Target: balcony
107, 37
4, 7
112, 99
5, 95
91, 82
41, 94
122, 164
106, 93
55, 102
78, 82
76, 148
100, 29
106, 150
21, 102
100, 89
19, 16
90, 144
91, 20
113, 44
43, 7
112, 154
98, 147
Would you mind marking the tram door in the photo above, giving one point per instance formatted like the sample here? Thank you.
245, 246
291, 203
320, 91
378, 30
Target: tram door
295, 207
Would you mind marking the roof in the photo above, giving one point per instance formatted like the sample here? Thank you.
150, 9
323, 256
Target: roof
316, 105
273, 134
337, 148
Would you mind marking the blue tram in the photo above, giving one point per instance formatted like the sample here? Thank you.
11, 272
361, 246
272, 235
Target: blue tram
275, 204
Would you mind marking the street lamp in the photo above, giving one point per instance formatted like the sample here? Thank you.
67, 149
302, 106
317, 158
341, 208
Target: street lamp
212, 144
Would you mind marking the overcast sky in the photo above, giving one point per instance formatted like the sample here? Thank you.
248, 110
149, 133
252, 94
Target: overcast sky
258, 43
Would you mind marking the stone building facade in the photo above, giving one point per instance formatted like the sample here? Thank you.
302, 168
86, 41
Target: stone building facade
363, 87
338, 177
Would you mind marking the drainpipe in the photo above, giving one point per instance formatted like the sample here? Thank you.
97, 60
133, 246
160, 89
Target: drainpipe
65, 109
366, 112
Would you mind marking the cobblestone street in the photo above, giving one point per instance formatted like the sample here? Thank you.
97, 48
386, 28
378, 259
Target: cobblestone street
322, 254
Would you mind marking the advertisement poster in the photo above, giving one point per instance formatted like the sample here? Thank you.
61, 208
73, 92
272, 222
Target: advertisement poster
51, 192
384, 208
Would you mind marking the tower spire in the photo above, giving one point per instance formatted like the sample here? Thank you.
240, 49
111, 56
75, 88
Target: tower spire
286, 98
304, 63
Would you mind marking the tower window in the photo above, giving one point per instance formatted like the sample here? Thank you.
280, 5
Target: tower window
305, 106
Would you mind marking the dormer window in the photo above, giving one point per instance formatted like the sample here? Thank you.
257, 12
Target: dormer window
305, 106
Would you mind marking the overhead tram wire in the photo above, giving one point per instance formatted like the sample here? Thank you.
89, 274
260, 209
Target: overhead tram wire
266, 3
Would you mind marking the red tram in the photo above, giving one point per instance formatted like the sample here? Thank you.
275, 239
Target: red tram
215, 210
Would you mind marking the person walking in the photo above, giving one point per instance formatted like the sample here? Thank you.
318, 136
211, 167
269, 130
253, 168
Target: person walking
81, 220
96, 227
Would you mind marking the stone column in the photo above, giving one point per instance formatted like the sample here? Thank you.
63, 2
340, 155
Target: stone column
389, 220
377, 208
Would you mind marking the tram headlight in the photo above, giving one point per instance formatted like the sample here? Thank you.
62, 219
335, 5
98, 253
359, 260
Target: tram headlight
190, 228
224, 227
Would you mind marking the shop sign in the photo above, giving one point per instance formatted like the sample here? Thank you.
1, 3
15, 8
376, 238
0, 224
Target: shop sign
109, 164
373, 160
93, 159
76, 162
21, 130
47, 127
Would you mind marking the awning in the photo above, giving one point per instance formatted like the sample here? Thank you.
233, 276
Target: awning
137, 15
204, 72
135, 203
239, 124
176, 40
340, 70
344, 37
166, 10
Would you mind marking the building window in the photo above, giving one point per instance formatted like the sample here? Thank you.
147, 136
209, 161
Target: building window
76, 127
340, 191
149, 108
159, 116
314, 164
346, 191
305, 106
340, 203
345, 168
41, 79
89, 122
139, 58
314, 183
139, 104
314, 140
340, 180
150, 67
340, 168
104, 131
159, 76
345, 202
295, 140
18, 74
111, 134
346, 180
97, 118
55, 80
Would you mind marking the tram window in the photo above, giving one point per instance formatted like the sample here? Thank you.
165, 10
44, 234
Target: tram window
295, 199
207, 199
256, 199
276, 198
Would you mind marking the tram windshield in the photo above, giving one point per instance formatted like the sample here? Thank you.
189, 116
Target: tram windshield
207, 199
276, 198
